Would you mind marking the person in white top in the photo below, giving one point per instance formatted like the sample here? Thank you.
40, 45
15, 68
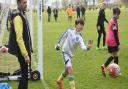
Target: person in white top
70, 40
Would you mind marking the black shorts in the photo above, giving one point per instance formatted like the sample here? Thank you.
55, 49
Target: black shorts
102, 29
112, 49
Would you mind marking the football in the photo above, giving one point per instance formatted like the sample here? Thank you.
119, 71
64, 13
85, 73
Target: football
114, 70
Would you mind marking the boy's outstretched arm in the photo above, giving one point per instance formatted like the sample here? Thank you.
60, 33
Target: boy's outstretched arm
86, 47
62, 38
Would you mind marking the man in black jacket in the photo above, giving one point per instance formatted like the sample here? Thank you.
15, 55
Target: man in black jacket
55, 11
20, 41
83, 12
78, 12
49, 13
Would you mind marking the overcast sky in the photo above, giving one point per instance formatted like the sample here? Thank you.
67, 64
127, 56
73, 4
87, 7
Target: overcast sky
8, 1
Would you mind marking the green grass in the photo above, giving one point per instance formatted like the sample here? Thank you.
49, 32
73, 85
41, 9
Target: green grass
12, 61
86, 65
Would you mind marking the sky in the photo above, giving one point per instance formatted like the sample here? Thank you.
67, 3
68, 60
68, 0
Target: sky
8, 1
46, 2
49, 2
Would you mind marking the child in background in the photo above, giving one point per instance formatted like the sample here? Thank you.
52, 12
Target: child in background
100, 27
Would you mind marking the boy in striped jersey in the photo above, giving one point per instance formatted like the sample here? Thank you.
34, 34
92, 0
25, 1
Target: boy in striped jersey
72, 39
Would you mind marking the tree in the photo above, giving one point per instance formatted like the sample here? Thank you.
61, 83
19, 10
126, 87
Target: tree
64, 3
125, 2
100, 1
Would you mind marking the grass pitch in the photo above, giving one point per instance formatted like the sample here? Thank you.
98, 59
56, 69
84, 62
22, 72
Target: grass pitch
86, 65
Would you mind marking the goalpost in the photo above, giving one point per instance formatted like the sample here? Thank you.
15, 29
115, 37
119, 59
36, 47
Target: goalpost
40, 39
40, 33
38, 48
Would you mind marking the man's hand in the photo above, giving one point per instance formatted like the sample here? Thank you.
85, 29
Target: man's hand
27, 59
3, 49
90, 43
57, 47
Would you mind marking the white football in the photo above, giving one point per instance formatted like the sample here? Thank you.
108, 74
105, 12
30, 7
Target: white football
114, 70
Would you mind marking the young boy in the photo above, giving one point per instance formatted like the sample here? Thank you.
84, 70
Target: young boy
72, 39
100, 27
112, 40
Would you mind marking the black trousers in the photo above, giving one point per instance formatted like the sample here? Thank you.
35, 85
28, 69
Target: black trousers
100, 32
78, 15
83, 16
23, 82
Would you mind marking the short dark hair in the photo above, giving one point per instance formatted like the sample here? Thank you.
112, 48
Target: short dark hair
116, 10
18, 1
81, 21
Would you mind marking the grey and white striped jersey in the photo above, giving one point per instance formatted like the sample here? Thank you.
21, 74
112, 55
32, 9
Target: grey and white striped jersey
71, 39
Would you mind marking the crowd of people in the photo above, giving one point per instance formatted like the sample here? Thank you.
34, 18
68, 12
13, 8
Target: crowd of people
80, 10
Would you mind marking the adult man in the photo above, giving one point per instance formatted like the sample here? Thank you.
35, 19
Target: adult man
55, 11
20, 41
49, 13
78, 12
83, 12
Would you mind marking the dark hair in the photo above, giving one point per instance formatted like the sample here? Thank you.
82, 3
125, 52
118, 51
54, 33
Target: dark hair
116, 10
81, 21
18, 1
69, 4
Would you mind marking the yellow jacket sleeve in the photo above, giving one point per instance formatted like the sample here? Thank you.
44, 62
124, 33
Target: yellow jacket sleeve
18, 26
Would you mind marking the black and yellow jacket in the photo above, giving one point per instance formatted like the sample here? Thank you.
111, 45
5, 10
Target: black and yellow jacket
19, 39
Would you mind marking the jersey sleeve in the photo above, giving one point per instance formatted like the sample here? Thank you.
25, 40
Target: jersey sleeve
115, 31
18, 25
82, 44
63, 37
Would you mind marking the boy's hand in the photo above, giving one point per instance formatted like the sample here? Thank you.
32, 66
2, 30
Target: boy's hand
98, 27
57, 47
90, 43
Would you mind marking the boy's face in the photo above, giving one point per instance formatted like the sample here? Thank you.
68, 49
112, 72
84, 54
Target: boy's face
117, 16
79, 27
